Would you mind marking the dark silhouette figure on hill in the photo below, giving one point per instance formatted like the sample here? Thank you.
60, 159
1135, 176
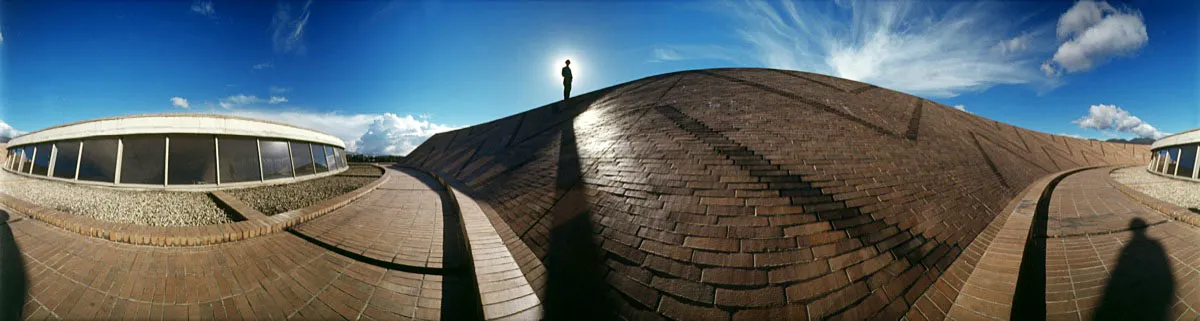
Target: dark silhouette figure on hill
1141, 287
567, 77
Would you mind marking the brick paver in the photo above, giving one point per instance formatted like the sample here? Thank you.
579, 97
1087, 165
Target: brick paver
1101, 265
749, 194
399, 222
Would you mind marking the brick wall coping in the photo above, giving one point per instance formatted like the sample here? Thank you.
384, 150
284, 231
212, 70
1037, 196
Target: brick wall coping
1174, 211
991, 287
174, 236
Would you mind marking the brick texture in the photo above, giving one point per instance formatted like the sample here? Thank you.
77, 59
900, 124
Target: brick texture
752, 193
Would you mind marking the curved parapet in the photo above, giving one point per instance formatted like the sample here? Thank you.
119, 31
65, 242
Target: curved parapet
748, 194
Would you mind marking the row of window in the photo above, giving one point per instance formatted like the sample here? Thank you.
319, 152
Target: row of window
1176, 160
175, 159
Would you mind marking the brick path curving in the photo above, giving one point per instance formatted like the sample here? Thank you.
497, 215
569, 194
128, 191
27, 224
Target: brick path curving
1098, 266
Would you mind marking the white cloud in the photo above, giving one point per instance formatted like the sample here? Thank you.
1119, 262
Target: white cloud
693, 52
279, 90
7, 131
894, 44
1095, 32
1112, 118
373, 134
180, 102
288, 30
1070, 135
264, 65
277, 100
239, 100
961, 107
204, 8
394, 135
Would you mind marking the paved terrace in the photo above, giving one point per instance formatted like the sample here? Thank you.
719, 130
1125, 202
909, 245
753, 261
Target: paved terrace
382, 257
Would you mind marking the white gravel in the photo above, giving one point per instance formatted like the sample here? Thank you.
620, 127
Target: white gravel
155, 208
271, 200
1183, 193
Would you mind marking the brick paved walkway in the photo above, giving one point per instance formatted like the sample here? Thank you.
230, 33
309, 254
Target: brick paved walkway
56, 274
1098, 267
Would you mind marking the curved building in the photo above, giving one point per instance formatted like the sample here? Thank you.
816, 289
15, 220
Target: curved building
176, 151
1176, 155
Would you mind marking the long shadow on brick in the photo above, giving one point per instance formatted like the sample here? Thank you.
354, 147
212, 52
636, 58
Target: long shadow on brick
575, 286
1142, 286
14, 281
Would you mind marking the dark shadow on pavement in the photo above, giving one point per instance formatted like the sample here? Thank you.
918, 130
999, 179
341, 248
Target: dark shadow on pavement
460, 290
575, 286
1141, 287
14, 282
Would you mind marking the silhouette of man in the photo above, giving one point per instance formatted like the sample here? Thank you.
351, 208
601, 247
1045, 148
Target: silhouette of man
566, 73
1142, 286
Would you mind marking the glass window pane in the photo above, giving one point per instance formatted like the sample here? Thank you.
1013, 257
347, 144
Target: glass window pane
142, 159
1172, 160
41, 161
329, 158
318, 153
99, 161
26, 159
67, 158
277, 162
302, 157
239, 159
1187, 162
191, 160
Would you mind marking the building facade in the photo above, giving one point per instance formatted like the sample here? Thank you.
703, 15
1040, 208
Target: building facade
1176, 156
176, 152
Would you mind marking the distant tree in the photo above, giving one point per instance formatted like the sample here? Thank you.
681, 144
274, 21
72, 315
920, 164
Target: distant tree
360, 158
1139, 141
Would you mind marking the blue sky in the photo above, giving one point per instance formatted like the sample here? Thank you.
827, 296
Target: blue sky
385, 75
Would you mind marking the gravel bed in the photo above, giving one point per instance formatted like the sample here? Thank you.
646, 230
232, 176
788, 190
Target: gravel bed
1182, 193
271, 200
362, 170
153, 208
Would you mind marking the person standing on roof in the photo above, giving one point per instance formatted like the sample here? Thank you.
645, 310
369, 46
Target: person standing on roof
566, 73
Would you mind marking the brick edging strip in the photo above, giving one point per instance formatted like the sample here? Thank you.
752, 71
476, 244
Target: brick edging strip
175, 236
1173, 211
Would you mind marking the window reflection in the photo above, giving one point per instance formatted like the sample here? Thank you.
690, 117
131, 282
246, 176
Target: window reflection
1187, 161
239, 159
277, 162
318, 155
192, 160
66, 160
142, 159
99, 162
41, 159
302, 157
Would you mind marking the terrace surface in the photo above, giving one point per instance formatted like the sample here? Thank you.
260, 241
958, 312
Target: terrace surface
725, 194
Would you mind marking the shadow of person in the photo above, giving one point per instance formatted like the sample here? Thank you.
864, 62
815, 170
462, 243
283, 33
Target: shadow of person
575, 285
13, 280
1141, 287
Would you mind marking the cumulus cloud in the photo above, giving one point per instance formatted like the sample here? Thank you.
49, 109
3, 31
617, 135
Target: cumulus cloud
395, 135
288, 28
371, 134
262, 66
902, 45
204, 8
277, 100
1112, 118
180, 102
1095, 32
7, 132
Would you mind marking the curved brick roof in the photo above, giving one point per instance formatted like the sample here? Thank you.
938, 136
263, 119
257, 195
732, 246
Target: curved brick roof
749, 194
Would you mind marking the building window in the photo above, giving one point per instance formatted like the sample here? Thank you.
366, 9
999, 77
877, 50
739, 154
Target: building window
191, 160
1187, 161
318, 155
239, 159
329, 158
142, 159
67, 159
99, 160
277, 162
41, 159
302, 158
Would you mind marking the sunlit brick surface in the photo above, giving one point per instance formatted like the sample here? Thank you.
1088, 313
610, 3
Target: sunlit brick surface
756, 194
